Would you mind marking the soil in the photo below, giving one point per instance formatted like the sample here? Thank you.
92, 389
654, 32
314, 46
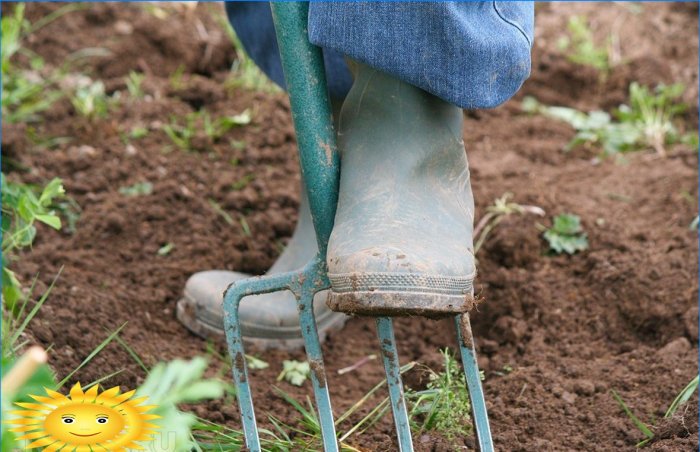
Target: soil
555, 334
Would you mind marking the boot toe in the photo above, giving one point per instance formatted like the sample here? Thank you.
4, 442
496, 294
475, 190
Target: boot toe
390, 281
270, 320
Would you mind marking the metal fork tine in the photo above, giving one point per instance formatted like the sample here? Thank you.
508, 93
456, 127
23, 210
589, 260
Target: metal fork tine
315, 357
476, 394
385, 330
232, 300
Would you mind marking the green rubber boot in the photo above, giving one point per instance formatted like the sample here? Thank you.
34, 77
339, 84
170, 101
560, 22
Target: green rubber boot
270, 320
402, 240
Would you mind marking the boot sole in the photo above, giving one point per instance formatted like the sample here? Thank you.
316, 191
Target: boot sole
399, 304
400, 294
267, 337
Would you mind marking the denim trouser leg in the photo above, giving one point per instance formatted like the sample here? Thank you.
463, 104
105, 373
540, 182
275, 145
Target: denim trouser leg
471, 54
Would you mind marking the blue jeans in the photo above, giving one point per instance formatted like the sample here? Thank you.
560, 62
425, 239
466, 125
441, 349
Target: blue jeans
471, 54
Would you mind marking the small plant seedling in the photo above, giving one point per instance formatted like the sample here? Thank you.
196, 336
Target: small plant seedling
582, 49
245, 227
25, 92
138, 132
243, 182
182, 133
176, 78
245, 73
444, 405
91, 101
166, 249
216, 207
566, 235
294, 372
255, 363
22, 207
501, 208
648, 122
681, 399
652, 114
138, 189
134, 84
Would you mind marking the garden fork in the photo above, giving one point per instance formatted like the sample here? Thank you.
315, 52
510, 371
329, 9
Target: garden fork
311, 112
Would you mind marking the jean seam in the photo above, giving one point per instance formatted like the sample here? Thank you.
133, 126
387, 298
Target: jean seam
513, 24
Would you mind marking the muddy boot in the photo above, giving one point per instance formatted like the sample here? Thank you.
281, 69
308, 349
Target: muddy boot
402, 240
270, 320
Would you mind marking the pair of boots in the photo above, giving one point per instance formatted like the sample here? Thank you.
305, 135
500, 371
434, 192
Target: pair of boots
402, 239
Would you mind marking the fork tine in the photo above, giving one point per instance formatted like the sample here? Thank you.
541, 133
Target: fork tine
232, 299
313, 352
476, 394
385, 330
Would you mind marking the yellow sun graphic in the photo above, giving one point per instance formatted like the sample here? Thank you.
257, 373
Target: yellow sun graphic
85, 421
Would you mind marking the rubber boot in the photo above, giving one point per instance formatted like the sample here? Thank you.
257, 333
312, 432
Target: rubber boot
269, 320
402, 239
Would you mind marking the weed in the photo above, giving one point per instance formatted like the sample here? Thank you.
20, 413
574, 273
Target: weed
308, 435
245, 73
215, 129
495, 213
255, 363
635, 420
23, 206
582, 49
166, 249
646, 123
176, 78
682, 397
219, 210
294, 372
91, 101
652, 114
444, 405
46, 142
245, 227
566, 235
138, 132
138, 189
134, 84
182, 133
243, 182
25, 93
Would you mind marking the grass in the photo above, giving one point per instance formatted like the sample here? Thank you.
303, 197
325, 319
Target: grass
648, 122
681, 399
444, 405
134, 82
245, 74
26, 92
182, 131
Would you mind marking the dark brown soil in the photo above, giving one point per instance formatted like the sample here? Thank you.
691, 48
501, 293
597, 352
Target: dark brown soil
621, 316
